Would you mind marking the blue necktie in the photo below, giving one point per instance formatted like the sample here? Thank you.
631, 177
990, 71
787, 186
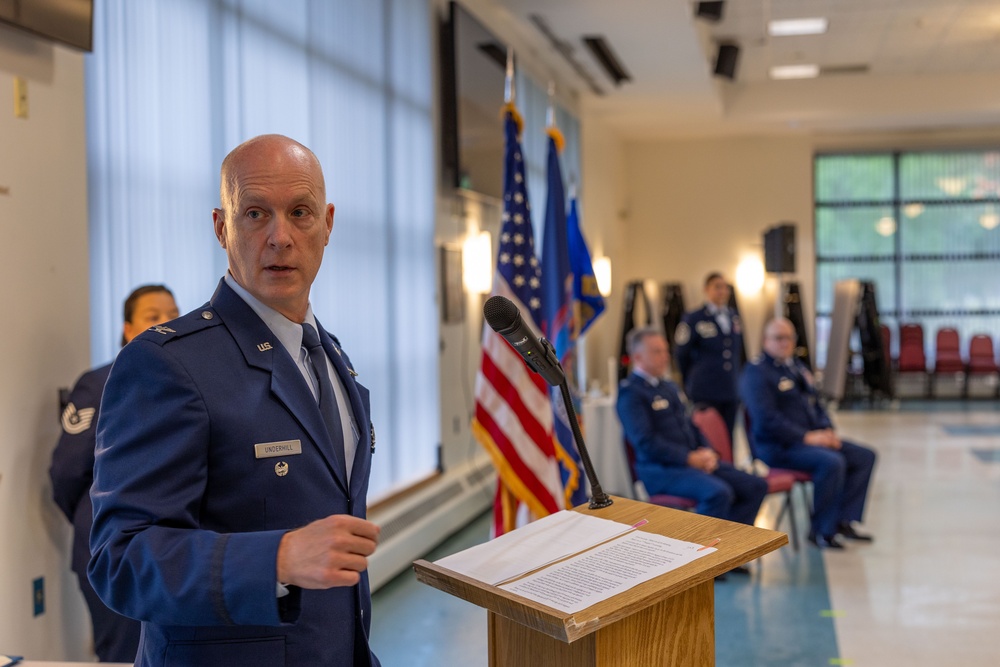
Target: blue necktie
328, 405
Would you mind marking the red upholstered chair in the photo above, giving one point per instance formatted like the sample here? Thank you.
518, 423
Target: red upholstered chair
713, 427
661, 499
947, 355
782, 476
981, 361
912, 358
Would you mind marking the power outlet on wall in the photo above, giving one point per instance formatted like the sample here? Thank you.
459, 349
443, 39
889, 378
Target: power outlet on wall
38, 595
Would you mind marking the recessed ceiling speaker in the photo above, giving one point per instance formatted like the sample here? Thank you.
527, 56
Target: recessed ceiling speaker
726, 60
710, 11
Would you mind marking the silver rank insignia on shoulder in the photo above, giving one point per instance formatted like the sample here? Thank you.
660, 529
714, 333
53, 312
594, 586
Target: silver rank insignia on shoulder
265, 346
280, 468
682, 334
161, 329
372, 427
76, 421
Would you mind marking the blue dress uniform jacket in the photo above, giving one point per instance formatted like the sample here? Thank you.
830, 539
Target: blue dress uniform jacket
116, 637
187, 517
709, 358
783, 406
656, 422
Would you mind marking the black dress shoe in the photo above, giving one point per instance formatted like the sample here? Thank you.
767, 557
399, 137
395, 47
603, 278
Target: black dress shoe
826, 542
847, 530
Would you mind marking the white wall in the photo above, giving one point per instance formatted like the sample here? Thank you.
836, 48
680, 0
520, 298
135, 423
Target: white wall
699, 206
673, 210
45, 336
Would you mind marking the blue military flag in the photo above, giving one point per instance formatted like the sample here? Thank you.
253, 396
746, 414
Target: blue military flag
557, 313
587, 300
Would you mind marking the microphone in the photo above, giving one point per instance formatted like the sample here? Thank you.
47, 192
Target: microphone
504, 318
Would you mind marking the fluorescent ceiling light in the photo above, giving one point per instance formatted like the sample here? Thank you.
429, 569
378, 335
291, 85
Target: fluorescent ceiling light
795, 72
790, 27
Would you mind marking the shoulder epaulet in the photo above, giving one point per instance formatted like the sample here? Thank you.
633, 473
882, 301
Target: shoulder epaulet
185, 325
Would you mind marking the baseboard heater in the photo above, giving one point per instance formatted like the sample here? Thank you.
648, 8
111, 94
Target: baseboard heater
422, 520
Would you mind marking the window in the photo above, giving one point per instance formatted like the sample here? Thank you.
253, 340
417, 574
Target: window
173, 85
923, 226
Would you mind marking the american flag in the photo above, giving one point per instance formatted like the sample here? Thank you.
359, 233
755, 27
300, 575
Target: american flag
514, 420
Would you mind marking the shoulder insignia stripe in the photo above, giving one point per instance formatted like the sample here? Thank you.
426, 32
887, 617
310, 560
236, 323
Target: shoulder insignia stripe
76, 421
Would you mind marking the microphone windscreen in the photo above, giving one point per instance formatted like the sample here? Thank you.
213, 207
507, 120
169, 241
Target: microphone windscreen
500, 312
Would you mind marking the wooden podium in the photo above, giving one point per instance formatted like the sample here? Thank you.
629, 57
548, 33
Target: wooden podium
668, 620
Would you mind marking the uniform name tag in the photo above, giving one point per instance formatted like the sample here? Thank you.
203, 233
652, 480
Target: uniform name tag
785, 384
266, 450
660, 403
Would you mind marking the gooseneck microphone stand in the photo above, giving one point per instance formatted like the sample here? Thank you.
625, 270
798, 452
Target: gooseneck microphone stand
598, 499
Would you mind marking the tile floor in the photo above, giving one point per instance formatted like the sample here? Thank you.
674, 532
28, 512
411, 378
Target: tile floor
927, 592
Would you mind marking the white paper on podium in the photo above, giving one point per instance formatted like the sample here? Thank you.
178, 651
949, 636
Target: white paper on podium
598, 574
533, 546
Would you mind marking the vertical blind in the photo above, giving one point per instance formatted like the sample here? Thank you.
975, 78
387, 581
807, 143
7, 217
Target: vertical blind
173, 85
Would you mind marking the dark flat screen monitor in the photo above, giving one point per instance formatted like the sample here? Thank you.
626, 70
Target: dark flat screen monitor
68, 22
473, 63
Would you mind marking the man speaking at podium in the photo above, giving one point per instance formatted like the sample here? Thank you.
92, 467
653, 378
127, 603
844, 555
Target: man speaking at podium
233, 450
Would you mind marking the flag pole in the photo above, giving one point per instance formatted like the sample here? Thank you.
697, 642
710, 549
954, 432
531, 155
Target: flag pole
509, 93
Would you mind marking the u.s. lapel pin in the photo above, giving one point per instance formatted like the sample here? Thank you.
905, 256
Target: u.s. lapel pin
280, 468
265, 346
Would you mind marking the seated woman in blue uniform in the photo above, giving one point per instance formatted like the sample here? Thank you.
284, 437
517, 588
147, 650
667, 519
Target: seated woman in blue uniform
672, 456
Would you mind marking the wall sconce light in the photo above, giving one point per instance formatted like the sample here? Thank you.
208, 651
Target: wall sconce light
477, 263
602, 272
750, 275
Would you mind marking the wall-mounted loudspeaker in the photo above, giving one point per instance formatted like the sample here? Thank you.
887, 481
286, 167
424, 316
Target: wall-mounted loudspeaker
710, 11
725, 61
779, 249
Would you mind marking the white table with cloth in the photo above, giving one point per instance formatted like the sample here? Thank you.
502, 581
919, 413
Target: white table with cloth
602, 433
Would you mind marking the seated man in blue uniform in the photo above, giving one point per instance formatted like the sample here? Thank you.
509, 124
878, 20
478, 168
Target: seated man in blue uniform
233, 450
672, 456
709, 342
116, 637
791, 429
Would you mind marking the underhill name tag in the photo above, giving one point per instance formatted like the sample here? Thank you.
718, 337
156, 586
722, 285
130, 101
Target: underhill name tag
266, 450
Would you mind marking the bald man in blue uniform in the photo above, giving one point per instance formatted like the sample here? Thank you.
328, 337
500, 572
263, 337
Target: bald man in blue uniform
709, 342
791, 429
672, 456
234, 448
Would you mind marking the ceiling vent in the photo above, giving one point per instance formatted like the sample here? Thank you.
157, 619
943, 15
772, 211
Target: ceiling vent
601, 50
